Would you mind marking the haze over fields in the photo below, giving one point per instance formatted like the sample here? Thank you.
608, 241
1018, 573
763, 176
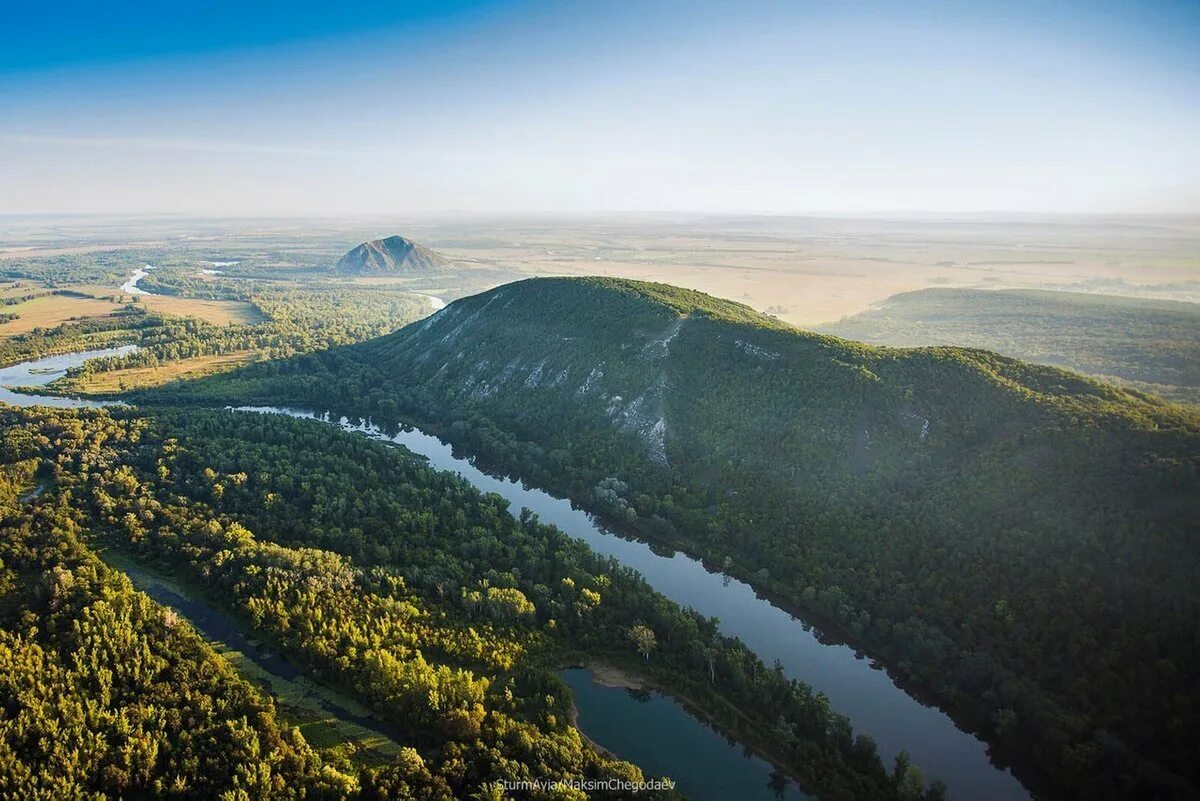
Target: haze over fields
805, 270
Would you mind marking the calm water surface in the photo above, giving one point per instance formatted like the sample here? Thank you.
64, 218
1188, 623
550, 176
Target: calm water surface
655, 733
40, 372
130, 287
855, 688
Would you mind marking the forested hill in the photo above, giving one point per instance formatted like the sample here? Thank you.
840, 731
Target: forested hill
1017, 541
680, 369
1151, 345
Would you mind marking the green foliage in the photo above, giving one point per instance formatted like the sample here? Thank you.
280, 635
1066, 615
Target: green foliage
1153, 345
298, 321
104, 692
399, 584
643, 639
1015, 540
106, 267
122, 328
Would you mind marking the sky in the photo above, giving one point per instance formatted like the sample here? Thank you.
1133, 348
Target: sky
215, 107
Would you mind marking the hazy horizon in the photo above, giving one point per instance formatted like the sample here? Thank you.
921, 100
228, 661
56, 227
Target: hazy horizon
486, 108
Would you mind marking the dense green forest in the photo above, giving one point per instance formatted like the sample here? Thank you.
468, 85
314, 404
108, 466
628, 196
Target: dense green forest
103, 267
1152, 345
1016, 541
384, 578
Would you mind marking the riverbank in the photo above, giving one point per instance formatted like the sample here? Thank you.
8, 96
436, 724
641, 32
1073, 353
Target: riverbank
855, 688
608, 675
753, 741
69, 350
327, 717
24, 383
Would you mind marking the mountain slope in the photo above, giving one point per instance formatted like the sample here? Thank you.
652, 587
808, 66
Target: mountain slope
975, 520
659, 362
1016, 541
393, 254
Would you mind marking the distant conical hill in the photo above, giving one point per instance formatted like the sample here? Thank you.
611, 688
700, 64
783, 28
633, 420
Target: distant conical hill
395, 254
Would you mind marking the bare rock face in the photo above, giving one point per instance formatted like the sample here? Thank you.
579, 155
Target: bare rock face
392, 255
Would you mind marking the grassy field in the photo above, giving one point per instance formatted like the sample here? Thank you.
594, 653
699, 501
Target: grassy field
1147, 344
217, 312
50, 310
10, 289
116, 381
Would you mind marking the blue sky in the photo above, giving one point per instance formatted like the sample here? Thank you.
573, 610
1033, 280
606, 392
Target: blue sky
507, 106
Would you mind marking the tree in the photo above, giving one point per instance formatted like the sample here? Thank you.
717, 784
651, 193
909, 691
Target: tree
642, 637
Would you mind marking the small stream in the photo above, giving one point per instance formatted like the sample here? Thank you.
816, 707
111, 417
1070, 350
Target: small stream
216, 625
130, 287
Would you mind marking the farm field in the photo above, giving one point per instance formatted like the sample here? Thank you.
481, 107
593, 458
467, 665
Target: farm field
51, 310
217, 312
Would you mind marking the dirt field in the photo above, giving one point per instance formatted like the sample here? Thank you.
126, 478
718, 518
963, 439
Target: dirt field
217, 312
9, 289
50, 310
809, 271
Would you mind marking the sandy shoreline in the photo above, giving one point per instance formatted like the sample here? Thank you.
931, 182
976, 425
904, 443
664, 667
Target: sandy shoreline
610, 676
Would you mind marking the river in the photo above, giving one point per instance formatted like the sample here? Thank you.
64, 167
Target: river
874, 704
855, 687
40, 372
130, 287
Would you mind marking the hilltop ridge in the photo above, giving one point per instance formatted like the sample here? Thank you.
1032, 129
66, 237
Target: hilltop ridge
601, 313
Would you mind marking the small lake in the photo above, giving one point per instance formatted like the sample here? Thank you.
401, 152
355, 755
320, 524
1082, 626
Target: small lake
40, 372
658, 735
855, 687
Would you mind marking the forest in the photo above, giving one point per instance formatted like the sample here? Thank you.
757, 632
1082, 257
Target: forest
1152, 345
401, 585
983, 526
